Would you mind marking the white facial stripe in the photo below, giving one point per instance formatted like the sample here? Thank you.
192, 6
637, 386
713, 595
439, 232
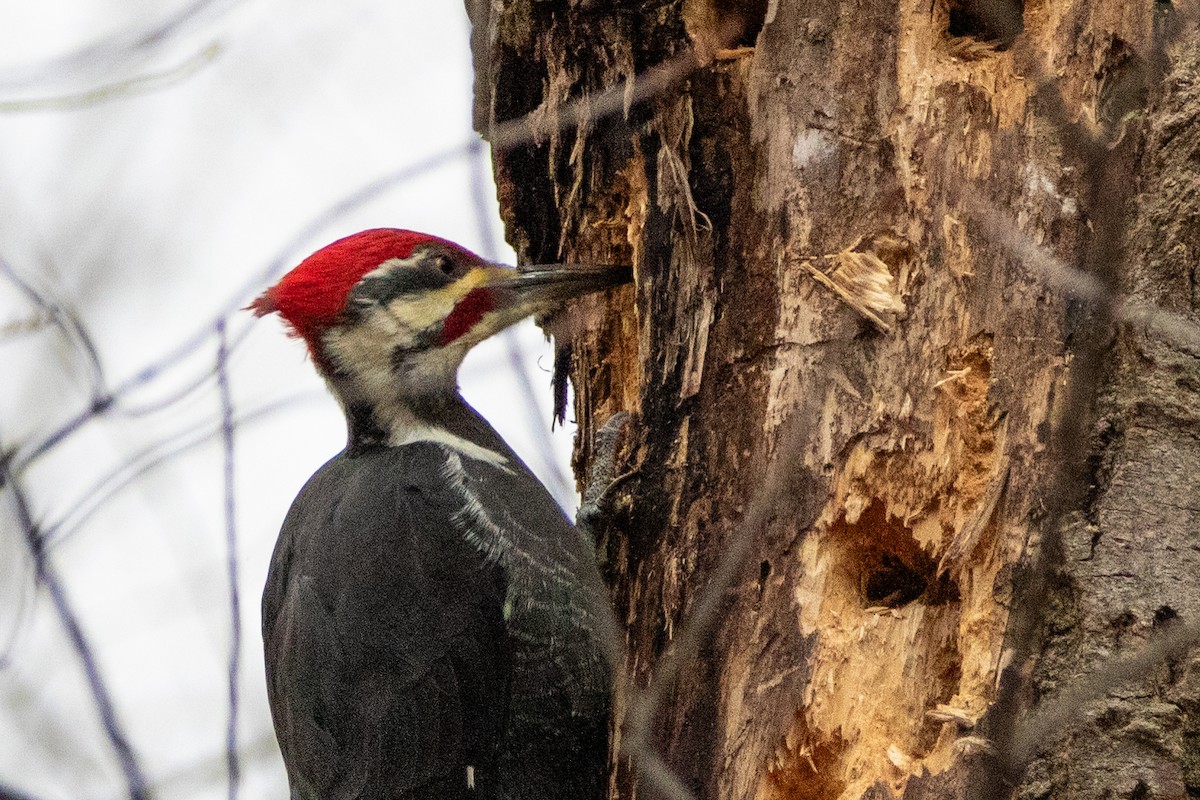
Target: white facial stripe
364, 351
386, 267
419, 313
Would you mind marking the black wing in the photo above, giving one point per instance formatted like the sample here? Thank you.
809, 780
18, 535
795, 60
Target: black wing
387, 663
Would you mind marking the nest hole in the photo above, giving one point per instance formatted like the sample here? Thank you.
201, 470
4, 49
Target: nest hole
893, 569
994, 22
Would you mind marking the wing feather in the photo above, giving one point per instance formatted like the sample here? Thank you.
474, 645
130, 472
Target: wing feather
388, 669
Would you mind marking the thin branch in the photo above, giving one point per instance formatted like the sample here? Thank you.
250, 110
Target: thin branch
231, 538
126, 409
120, 50
645, 705
538, 125
1176, 329
8, 793
141, 84
1055, 714
17, 615
207, 769
22, 327
112, 484
200, 339
134, 779
65, 320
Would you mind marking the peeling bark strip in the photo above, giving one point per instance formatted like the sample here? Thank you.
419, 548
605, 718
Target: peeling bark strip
793, 212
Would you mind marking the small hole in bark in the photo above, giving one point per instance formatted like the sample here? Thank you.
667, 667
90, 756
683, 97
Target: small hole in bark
1165, 615
891, 583
810, 765
1112, 718
996, 22
726, 24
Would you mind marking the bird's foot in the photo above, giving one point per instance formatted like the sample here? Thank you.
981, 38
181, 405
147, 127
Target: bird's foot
601, 484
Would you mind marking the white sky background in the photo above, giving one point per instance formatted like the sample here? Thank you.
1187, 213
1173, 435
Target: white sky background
148, 215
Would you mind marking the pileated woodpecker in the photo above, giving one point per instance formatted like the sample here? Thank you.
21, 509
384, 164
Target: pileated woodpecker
426, 619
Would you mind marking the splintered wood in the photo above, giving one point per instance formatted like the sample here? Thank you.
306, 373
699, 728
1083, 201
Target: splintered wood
897, 590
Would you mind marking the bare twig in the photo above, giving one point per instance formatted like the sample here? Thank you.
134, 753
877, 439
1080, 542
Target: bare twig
208, 769
139, 464
541, 123
1176, 329
7, 793
1070, 705
546, 120
231, 556
645, 705
131, 410
1064, 490
119, 51
65, 320
134, 779
141, 84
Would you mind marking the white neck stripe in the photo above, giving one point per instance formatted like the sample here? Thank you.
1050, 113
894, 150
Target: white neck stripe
421, 432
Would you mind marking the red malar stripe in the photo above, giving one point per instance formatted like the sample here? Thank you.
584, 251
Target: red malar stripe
466, 313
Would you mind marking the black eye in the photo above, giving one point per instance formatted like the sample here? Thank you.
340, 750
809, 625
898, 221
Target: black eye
443, 263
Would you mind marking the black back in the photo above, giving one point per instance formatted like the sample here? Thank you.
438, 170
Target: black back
424, 614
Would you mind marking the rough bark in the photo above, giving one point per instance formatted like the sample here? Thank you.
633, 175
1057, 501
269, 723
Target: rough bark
1133, 561
796, 218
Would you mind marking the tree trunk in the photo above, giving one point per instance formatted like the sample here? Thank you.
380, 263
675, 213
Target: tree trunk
800, 219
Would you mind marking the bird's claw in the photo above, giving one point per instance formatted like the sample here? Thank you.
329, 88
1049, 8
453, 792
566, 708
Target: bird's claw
598, 493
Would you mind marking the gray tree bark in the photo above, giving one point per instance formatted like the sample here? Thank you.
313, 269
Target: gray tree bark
805, 202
